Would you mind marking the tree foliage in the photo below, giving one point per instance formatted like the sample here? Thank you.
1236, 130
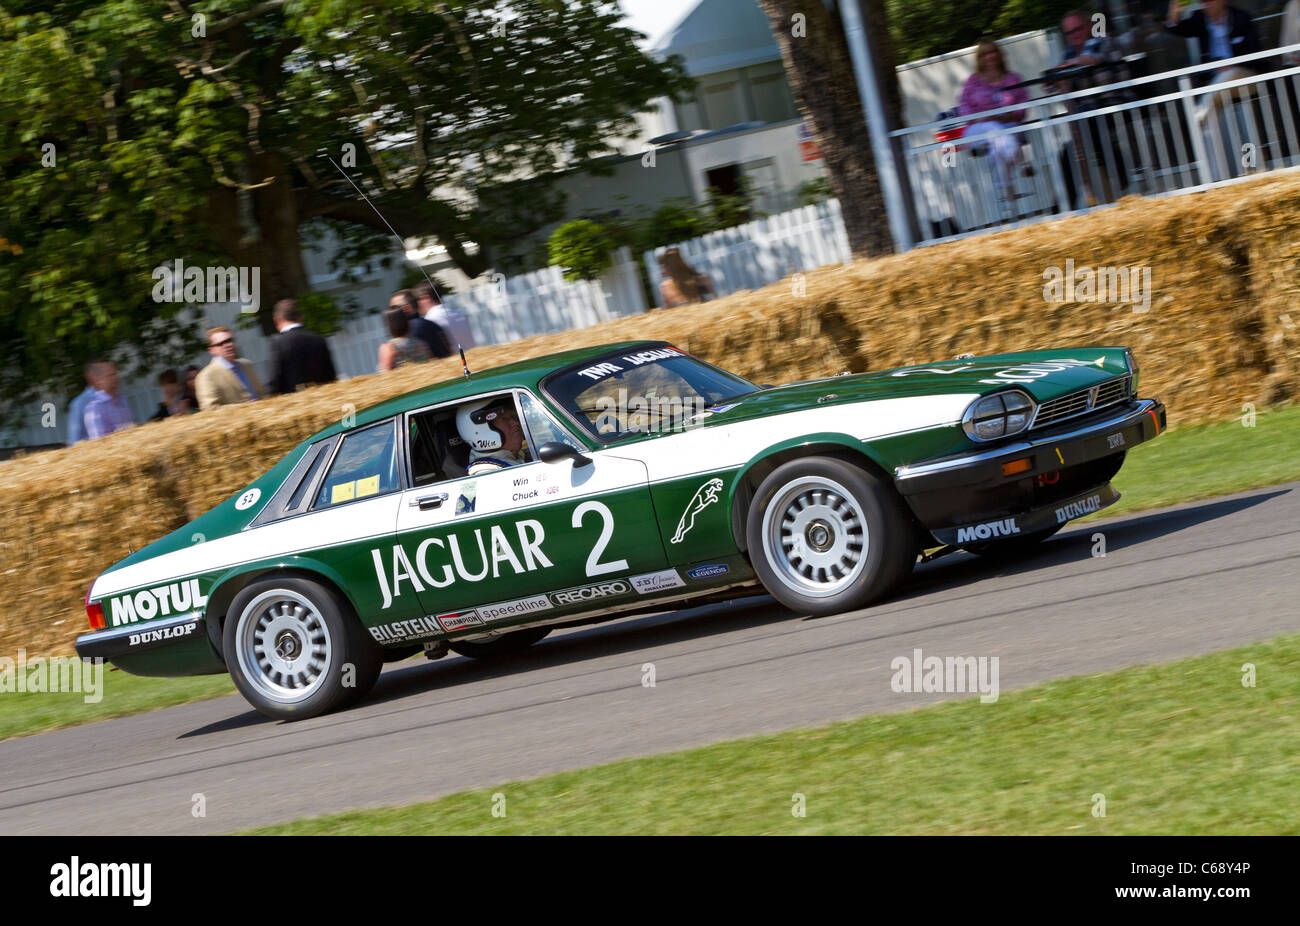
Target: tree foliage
134, 133
923, 28
582, 249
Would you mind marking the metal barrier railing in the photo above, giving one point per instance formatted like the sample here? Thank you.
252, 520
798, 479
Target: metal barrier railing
1067, 158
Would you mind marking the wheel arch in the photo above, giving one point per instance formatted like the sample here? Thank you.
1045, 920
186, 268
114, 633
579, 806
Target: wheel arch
232, 583
824, 444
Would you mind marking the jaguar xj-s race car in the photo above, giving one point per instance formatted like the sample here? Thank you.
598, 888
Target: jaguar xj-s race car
480, 513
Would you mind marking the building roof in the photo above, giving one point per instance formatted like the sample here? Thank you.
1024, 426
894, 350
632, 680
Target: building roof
720, 35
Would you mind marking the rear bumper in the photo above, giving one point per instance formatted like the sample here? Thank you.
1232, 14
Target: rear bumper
137, 638
1059, 474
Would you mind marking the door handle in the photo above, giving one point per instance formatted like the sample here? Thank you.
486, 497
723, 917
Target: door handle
426, 502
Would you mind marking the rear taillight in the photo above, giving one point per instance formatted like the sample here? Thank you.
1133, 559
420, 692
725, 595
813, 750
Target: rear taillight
95, 611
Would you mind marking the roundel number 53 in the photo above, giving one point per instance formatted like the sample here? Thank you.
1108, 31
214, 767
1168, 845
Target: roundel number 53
594, 566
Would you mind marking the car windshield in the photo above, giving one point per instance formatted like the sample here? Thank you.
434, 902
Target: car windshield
654, 390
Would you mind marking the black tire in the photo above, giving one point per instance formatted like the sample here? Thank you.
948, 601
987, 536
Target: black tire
827, 536
331, 661
503, 645
1012, 547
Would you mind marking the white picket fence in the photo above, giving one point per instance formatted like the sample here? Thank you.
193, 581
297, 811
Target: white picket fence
764, 251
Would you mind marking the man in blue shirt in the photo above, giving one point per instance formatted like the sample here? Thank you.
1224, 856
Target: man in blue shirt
77, 408
107, 410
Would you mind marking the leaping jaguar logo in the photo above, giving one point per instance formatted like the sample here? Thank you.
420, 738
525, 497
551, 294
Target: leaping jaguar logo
704, 496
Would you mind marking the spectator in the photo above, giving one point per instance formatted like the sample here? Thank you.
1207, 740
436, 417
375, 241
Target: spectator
299, 356
989, 88
1290, 34
107, 410
174, 400
191, 374
682, 284
431, 334
400, 348
1090, 150
454, 323
1221, 32
77, 407
228, 379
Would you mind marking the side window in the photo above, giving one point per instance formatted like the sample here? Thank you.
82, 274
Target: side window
365, 465
437, 451
542, 426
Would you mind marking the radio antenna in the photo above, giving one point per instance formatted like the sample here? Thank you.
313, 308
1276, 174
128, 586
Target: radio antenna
390, 228
463, 364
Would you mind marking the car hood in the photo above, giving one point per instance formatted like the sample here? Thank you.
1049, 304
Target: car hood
1044, 375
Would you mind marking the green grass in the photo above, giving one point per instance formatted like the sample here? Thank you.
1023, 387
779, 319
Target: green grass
1187, 464
1180, 466
23, 713
1179, 748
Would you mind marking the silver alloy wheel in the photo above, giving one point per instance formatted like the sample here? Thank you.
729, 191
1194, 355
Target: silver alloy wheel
284, 648
815, 537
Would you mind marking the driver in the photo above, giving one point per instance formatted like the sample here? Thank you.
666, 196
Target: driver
494, 434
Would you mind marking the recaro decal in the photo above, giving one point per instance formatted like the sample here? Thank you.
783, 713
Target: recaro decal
176, 598
705, 496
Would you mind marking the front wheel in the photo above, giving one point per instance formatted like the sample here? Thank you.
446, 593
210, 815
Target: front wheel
827, 536
295, 649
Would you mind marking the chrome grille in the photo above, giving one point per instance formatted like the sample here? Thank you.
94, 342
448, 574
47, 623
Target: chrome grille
1073, 404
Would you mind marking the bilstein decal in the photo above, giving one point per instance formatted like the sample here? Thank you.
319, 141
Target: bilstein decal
176, 598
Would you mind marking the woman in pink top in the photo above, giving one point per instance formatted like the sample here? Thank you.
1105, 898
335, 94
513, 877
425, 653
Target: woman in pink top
987, 89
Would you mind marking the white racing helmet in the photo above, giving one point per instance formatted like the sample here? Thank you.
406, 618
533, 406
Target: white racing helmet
475, 425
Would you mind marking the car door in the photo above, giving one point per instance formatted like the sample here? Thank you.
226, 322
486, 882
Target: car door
491, 549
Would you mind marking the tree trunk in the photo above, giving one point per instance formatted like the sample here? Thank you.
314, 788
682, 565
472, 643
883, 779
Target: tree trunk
269, 241
820, 70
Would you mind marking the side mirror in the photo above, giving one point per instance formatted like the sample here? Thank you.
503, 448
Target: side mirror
555, 451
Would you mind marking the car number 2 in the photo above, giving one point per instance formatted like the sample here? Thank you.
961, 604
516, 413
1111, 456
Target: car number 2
594, 566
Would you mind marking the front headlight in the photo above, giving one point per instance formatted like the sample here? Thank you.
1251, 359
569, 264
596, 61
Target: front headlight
1132, 372
1000, 415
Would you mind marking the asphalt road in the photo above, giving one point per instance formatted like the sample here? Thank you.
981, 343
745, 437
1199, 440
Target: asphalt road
1174, 583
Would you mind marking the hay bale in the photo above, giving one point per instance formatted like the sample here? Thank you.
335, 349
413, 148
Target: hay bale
1222, 330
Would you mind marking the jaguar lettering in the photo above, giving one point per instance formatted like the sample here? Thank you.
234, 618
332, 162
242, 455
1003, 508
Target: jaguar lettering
465, 564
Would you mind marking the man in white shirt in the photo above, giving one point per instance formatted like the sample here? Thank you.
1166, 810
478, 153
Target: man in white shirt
454, 323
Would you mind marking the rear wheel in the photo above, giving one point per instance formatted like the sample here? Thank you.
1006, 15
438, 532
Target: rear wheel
827, 536
502, 646
295, 649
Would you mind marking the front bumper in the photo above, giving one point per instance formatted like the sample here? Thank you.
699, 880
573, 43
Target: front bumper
1054, 476
1067, 445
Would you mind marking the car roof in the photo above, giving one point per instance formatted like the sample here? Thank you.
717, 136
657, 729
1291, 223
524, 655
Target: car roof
523, 373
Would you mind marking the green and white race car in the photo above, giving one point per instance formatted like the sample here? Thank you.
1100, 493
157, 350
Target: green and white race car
480, 513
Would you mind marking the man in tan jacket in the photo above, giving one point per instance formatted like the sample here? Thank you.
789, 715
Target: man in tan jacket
229, 379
